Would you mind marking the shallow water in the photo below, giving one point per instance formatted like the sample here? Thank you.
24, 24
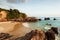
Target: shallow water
42, 25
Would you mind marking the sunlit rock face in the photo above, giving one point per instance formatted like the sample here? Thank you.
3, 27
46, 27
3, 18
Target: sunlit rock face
33, 35
3, 15
40, 35
5, 36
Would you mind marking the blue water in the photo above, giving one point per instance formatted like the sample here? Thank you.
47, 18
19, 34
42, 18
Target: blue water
42, 24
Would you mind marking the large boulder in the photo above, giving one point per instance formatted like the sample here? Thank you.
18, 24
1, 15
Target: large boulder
33, 35
54, 19
50, 34
54, 29
47, 18
39, 19
5, 36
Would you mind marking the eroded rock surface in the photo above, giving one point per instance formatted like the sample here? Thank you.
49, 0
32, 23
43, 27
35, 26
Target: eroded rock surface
33, 35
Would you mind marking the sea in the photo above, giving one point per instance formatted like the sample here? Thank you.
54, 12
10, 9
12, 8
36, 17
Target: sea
43, 25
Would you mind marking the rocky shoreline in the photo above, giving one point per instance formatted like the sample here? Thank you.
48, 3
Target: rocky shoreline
17, 31
33, 35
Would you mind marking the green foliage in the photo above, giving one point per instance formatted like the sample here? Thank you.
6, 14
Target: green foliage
23, 15
14, 14
2, 9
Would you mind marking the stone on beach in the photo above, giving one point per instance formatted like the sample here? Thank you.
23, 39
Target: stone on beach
33, 35
5, 36
50, 34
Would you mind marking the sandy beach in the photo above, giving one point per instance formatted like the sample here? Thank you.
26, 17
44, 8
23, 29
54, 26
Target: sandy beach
14, 28
17, 29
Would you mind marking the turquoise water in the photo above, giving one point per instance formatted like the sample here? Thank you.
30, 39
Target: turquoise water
42, 24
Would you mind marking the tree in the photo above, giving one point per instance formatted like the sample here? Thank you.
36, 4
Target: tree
23, 15
16, 13
13, 14
10, 14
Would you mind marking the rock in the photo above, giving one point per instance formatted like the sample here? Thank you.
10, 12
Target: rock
34, 34
26, 37
4, 36
40, 35
50, 34
48, 24
39, 19
55, 29
31, 19
54, 19
47, 18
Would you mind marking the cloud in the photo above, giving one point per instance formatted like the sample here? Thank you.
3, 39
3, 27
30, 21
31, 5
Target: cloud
25, 0
11, 6
4, 4
17, 1
13, 1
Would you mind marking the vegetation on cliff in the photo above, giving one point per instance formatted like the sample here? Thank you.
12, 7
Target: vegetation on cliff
14, 13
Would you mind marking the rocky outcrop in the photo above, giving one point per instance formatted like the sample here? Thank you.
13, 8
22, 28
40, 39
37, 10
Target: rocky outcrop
54, 19
39, 19
49, 24
6, 27
50, 34
5, 36
47, 18
34, 34
31, 19
55, 29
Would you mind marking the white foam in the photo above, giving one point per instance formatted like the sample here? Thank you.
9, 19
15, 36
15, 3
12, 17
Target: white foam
25, 24
47, 28
57, 37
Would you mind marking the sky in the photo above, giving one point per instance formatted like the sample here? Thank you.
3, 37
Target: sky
37, 8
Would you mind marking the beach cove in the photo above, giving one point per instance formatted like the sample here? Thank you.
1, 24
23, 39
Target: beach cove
19, 29
14, 28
